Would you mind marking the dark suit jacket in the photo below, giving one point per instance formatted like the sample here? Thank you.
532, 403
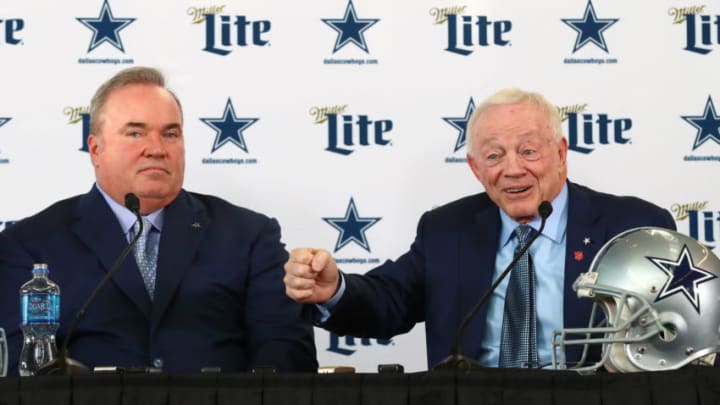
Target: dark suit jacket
219, 298
450, 265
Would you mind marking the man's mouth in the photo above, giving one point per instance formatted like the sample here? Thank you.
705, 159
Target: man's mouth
516, 190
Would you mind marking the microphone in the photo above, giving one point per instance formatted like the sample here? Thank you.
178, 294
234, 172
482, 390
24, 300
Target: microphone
64, 364
456, 360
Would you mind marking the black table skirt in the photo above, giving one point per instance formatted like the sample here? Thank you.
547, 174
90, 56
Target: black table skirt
492, 386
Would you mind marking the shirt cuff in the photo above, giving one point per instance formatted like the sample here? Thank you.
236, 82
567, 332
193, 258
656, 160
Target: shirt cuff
323, 310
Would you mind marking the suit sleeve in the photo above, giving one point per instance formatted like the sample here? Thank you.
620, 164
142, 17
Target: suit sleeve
280, 335
15, 266
386, 301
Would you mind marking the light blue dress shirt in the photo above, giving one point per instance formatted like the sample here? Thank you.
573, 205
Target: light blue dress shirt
127, 219
548, 253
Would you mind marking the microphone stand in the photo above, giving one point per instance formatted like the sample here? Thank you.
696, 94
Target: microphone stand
64, 364
456, 360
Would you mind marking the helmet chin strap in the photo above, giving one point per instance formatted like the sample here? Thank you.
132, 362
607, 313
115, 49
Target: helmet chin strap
708, 360
618, 360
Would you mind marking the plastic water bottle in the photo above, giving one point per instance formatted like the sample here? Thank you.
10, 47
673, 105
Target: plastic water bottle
40, 318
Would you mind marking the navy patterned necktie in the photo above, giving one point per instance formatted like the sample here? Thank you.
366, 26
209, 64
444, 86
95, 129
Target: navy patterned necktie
146, 251
518, 345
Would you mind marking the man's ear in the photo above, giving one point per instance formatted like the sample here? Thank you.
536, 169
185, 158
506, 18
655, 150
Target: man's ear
95, 145
473, 167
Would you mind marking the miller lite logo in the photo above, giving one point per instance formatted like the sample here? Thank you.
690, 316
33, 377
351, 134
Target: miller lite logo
346, 132
467, 32
225, 32
348, 345
586, 130
702, 30
702, 222
79, 115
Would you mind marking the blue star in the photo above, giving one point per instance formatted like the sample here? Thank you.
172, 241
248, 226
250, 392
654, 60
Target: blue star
229, 128
350, 28
683, 277
105, 28
708, 124
460, 123
352, 227
590, 28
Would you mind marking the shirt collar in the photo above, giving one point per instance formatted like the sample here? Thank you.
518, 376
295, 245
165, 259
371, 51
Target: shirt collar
555, 225
127, 218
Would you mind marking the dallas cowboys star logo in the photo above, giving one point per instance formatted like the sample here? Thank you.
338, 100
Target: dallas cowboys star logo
590, 28
683, 277
229, 128
708, 124
352, 227
350, 28
106, 28
4, 121
460, 123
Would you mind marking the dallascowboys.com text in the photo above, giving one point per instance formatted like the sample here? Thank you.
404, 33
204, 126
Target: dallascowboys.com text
333, 61
356, 260
107, 61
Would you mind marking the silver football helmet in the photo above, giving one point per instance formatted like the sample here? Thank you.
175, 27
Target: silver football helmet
659, 292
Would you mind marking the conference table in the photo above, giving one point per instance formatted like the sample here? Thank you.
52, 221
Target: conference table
694, 385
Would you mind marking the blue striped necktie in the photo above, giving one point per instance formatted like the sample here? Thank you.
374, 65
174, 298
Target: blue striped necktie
518, 347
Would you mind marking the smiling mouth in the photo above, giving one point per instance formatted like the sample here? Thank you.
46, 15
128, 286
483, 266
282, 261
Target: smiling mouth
516, 190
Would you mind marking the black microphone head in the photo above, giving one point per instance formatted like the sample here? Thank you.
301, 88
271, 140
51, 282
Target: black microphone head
545, 209
132, 202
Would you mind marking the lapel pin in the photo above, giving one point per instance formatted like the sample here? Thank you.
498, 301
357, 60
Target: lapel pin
587, 241
196, 225
578, 255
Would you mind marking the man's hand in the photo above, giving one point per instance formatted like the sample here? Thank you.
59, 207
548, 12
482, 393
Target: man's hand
311, 276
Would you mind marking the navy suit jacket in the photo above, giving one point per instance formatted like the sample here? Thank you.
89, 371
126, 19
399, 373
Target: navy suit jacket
219, 297
450, 265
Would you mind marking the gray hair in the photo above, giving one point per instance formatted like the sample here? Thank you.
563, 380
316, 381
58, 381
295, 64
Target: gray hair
133, 75
512, 96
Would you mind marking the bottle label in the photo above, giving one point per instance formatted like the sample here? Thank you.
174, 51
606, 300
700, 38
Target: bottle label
40, 308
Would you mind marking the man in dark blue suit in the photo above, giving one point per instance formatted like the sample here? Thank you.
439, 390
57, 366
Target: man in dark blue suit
516, 149
215, 297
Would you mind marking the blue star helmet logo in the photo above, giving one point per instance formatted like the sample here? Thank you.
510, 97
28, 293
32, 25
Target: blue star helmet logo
350, 28
460, 123
708, 124
105, 28
684, 277
352, 227
590, 28
229, 128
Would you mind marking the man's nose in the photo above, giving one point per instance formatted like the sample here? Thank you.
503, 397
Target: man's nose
514, 163
155, 145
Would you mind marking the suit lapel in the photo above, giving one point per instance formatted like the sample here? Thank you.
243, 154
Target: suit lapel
184, 227
585, 236
97, 226
479, 249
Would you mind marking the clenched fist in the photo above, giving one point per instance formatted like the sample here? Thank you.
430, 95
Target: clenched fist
311, 276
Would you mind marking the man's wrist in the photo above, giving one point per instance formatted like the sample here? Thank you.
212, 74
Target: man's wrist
324, 309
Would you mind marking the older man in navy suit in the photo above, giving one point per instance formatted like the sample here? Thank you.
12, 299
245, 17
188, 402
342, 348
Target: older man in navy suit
516, 149
208, 292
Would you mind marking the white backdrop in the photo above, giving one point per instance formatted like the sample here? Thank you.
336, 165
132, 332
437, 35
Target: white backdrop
405, 71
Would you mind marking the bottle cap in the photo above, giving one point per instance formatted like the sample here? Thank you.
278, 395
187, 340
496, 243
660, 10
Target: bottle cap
40, 268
